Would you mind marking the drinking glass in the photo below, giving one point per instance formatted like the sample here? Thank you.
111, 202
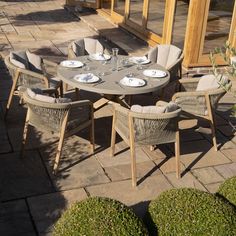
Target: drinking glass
115, 58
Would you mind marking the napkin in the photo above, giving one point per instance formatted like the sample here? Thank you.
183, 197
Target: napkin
85, 77
99, 56
139, 59
130, 81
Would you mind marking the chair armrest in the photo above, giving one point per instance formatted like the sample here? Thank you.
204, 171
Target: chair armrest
188, 85
121, 109
189, 94
81, 103
34, 75
50, 63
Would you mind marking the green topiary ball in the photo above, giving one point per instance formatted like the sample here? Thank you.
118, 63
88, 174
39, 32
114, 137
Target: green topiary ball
228, 190
99, 216
189, 211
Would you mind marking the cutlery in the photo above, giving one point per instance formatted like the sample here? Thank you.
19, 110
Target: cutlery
101, 82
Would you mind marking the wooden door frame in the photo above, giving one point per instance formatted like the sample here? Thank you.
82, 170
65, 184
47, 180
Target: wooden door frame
196, 32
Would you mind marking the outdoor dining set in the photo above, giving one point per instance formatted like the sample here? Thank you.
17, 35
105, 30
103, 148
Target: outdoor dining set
117, 79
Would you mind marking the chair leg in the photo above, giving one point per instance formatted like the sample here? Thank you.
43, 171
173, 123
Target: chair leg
133, 165
92, 136
59, 151
113, 141
213, 134
77, 93
61, 90
25, 133
177, 155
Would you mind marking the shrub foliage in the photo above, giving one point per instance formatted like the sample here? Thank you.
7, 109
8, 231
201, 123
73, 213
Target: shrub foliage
228, 190
99, 216
189, 211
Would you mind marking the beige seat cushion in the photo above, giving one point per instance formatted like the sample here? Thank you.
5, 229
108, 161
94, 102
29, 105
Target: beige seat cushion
207, 82
147, 109
44, 98
161, 107
19, 59
171, 106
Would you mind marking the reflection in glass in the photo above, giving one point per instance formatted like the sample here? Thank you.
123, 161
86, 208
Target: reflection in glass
218, 24
156, 13
106, 5
119, 7
179, 24
136, 11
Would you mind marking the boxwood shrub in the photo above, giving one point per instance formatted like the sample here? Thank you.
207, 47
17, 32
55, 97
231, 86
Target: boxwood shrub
99, 216
189, 211
228, 190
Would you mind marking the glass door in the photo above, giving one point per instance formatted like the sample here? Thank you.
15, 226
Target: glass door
106, 6
135, 14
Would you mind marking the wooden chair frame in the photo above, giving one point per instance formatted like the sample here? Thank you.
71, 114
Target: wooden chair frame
17, 72
130, 141
66, 109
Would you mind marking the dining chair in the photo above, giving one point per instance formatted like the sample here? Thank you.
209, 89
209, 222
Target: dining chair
146, 126
29, 70
199, 97
170, 57
85, 46
58, 115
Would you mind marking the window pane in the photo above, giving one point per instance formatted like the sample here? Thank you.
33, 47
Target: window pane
218, 24
136, 11
119, 6
180, 21
156, 13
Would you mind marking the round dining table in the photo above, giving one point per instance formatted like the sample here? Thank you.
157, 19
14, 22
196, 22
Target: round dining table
109, 84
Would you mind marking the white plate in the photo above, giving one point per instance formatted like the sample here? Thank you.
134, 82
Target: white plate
99, 57
71, 63
86, 78
139, 60
132, 82
154, 73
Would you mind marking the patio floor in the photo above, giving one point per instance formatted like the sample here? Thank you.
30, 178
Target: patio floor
32, 199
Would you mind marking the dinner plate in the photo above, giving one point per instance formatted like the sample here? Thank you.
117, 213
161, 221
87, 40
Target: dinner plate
132, 82
86, 78
139, 60
99, 57
71, 63
154, 73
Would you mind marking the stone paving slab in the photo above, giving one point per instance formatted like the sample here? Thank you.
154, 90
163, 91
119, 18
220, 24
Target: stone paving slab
78, 167
186, 181
213, 188
149, 189
208, 175
123, 172
22, 177
15, 219
47, 209
227, 170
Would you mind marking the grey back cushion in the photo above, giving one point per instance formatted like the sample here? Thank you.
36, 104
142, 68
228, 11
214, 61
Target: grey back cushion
19, 59
87, 46
164, 55
26, 60
35, 62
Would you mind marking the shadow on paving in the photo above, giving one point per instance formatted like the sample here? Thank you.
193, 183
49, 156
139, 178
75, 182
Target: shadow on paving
44, 17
